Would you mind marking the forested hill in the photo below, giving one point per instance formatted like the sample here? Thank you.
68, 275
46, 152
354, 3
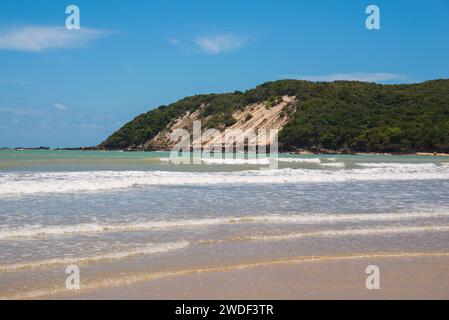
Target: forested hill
342, 115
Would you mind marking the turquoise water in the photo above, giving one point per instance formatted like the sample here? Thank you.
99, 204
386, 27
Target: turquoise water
127, 212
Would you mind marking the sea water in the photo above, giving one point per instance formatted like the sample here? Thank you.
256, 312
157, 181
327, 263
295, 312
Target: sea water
118, 214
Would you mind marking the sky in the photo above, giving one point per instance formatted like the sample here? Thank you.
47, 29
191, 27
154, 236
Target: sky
70, 88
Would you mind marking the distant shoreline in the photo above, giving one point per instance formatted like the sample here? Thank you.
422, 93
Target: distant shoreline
298, 152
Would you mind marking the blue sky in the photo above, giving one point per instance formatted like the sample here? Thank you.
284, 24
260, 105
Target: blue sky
63, 88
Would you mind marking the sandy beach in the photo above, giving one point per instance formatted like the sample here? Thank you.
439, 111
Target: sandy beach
403, 276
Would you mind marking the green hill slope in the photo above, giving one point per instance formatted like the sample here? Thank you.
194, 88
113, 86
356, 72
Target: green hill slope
350, 115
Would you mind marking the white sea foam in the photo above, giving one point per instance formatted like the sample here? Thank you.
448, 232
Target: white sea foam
266, 161
21, 183
260, 162
333, 164
256, 161
300, 160
34, 232
89, 228
417, 166
380, 231
144, 250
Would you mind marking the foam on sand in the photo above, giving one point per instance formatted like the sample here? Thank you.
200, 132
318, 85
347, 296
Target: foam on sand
380, 231
145, 250
135, 278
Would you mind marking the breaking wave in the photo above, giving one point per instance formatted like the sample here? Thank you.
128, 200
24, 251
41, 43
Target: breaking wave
256, 161
260, 162
23, 183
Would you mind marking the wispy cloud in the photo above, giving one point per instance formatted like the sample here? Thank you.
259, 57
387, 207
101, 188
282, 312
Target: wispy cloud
13, 82
357, 76
39, 39
23, 112
61, 106
220, 43
174, 41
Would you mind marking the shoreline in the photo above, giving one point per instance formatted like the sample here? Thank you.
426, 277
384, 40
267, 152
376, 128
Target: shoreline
299, 152
403, 276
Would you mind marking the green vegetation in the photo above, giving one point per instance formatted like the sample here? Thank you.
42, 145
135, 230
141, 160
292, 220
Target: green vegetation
342, 115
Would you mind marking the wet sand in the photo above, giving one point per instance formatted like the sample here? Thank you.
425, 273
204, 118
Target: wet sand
402, 276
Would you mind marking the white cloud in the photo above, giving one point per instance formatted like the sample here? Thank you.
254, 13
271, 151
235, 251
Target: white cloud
219, 43
61, 106
38, 39
357, 76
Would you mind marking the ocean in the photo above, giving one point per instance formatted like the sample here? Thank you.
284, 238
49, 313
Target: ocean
125, 217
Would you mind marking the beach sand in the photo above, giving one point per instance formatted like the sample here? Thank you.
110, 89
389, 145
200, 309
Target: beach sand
402, 276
